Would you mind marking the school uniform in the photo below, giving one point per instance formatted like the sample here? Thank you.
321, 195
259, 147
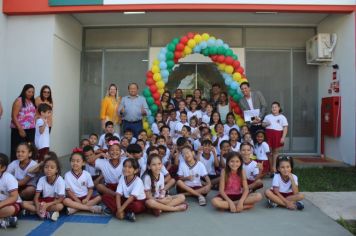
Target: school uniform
78, 184
50, 191
94, 172
126, 189
155, 129
20, 173
274, 131
227, 128
158, 183
222, 138
198, 170
102, 142
110, 172
42, 140
236, 147
178, 128
196, 113
284, 187
251, 170
261, 151
205, 119
8, 184
209, 165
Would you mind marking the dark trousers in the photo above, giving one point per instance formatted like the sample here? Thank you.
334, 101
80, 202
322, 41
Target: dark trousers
16, 139
136, 126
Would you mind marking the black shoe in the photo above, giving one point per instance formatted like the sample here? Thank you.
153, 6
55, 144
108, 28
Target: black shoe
300, 205
130, 216
9, 222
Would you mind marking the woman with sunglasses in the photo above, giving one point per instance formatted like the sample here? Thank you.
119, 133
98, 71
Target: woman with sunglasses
45, 97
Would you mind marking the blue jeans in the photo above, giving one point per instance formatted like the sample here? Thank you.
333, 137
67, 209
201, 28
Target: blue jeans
136, 127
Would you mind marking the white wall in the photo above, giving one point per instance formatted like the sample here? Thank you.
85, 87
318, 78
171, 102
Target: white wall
342, 148
42, 50
67, 43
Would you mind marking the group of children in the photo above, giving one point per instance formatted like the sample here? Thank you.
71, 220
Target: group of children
124, 176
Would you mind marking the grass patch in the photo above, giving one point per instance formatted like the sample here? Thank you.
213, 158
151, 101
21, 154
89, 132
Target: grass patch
326, 179
349, 225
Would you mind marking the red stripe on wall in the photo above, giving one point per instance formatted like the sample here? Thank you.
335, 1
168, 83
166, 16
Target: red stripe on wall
27, 7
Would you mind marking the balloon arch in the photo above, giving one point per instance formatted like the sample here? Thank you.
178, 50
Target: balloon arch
207, 45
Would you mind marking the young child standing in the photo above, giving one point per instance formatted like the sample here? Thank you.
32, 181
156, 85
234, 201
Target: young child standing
9, 196
194, 112
230, 123
130, 194
42, 131
219, 137
190, 172
233, 189
276, 131
20, 170
284, 191
50, 192
153, 180
154, 125
79, 188
262, 152
182, 122
252, 169
234, 138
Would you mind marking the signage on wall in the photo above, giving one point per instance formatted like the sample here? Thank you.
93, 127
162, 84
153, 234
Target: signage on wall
132, 2
335, 82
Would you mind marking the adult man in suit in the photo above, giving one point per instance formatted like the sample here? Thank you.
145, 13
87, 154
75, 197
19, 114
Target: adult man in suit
253, 100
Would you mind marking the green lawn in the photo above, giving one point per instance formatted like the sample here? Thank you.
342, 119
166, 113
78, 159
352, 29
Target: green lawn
327, 179
349, 225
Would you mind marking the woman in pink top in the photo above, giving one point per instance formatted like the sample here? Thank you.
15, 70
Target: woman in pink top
233, 188
23, 118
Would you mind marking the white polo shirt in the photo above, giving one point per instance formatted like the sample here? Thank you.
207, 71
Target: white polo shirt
236, 148
133, 188
159, 185
41, 140
102, 143
110, 172
55, 189
224, 137
79, 185
209, 164
284, 187
251, 170
8, 184
179, 127
227, 128
198, 170
196, 113
261, 151
276, 122
92, 170
18, 172
206, 119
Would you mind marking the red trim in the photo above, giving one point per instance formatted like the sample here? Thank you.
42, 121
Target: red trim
21, 7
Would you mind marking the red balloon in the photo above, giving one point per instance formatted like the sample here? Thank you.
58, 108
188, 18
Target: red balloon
156, 95
153, 88
149, 74
158, 102
233, 105
176, 60
150, 81
221, 58
237, 110
177, 55
229, 60
190, 35
236, 64
240, 70
180, 47
214, 57
184, 40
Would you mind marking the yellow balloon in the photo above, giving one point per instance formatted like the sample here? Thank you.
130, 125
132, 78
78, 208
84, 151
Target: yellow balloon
205, 36
229, 69
157, 77
160, 84
240, 122
155, 69
161, 91
156, 62
149, 132
198, 38
145, 125
221, 66
236, 76
191, 43
187, 50
243, 80
212, 37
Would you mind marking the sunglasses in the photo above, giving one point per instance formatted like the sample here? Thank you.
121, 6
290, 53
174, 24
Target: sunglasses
284, 157
48, 92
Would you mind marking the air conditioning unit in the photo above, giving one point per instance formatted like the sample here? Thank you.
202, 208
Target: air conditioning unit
320, 48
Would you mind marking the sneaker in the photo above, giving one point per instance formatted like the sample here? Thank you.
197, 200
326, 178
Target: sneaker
272, 204
202, 200
9, 222
97, 209
300, 205
52, 215
107, 211
70, 211
130, 216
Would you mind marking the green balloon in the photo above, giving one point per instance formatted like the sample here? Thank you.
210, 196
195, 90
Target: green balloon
171, 47
154, 108
169, 55
235, 57
150, 101
236, 97
213, 50
229, 52
170, 64
175, 40
205, 51
221, 51
231, 92
146, 92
